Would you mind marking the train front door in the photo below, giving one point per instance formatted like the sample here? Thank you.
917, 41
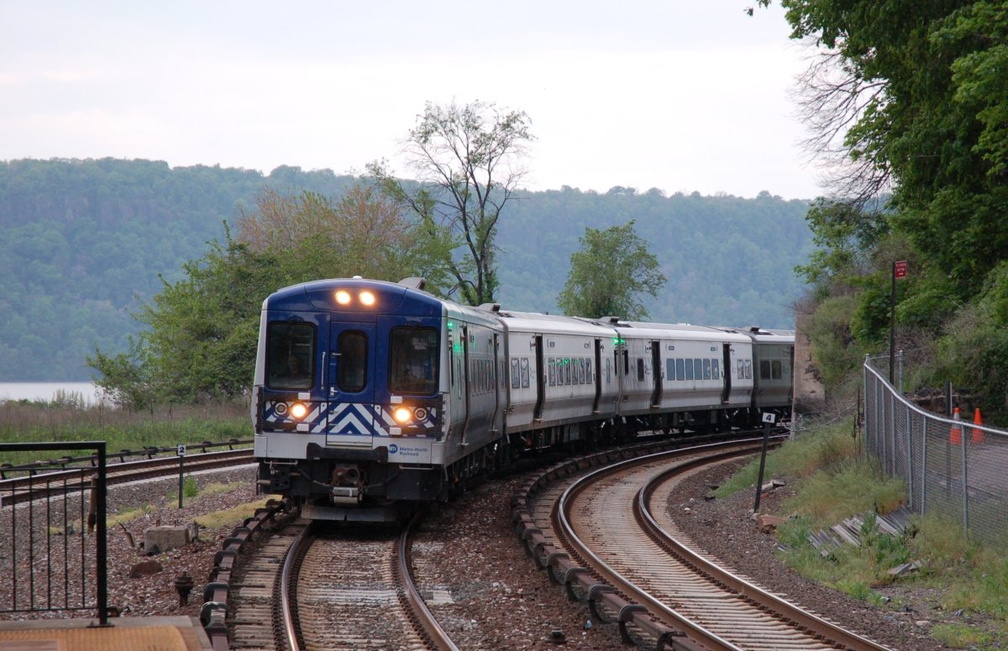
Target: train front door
351, 380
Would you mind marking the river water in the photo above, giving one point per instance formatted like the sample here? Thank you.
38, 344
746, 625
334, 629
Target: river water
47, 390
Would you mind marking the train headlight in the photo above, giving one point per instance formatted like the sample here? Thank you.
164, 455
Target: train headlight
298, 410
343, 297
402, 415
367, 298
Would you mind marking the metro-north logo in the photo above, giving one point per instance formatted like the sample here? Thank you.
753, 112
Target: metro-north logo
393, 448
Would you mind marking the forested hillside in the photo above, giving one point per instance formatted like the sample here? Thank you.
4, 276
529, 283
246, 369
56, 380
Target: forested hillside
86, 243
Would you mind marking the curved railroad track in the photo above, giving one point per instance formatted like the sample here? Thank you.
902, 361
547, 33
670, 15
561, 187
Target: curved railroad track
334, 588
601, 537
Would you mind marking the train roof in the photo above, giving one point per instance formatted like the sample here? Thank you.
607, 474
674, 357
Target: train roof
680, 331
558, 323
765, 335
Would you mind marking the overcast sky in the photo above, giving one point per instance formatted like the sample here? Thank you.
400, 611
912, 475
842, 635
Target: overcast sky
681, 95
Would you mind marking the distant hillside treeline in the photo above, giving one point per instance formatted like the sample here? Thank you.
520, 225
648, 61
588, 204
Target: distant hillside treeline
86, 243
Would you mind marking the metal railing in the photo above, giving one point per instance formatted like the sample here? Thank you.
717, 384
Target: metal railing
952, 467
53, 542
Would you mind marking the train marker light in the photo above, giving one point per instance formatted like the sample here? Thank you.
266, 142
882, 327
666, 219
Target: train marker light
343, 297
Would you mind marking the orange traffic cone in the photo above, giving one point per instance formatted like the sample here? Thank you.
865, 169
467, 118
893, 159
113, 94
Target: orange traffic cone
978, 435
955, 432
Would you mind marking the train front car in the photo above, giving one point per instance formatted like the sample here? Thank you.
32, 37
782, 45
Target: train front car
351, 397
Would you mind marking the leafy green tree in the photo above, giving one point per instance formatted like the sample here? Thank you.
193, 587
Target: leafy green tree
915, 98
609, 273
468, 161
362, 233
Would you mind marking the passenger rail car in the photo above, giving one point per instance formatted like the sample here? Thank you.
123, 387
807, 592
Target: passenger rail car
370, 396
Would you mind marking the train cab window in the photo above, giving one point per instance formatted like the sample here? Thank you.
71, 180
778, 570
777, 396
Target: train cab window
290, 355
352, 348
413, 360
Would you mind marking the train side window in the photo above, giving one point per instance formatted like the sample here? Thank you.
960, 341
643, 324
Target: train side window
515, 373
352, 348
608, 372
680, 368
640, 369
741, 369
551, 369
706, 369
748, 369
670, 369
413, 360
716, 369
588, 371
689, 368
775, 370
581, 371
290, 355
524, 372
764, 369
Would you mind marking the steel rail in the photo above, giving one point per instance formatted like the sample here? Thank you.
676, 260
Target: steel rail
429, 626
788, 612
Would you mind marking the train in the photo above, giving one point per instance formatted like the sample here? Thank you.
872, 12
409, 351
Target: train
371, 398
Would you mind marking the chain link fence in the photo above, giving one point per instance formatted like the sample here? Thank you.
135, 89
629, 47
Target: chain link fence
952, 467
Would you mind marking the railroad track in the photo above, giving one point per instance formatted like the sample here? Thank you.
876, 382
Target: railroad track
42, 483
600, 536
334, 588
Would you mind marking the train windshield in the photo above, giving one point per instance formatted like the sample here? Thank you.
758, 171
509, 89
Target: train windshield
290, 355
413, 360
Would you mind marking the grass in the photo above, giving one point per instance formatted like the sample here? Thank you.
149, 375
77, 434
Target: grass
833, 482
66, 420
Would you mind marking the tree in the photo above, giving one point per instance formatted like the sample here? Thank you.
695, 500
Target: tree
608, 274
360, 233
468, 163
202, 330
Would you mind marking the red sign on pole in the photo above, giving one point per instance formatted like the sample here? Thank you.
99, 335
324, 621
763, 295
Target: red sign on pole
900, 269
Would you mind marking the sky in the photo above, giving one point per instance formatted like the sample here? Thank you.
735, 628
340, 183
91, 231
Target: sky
680, 95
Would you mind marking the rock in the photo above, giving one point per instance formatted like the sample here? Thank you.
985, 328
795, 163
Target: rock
161, 539
149, 567
768, 523
904, 569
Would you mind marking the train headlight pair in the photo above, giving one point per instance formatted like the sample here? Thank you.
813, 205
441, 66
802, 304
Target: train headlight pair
365, 298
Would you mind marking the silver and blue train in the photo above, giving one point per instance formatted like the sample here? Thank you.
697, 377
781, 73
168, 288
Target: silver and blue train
371, 397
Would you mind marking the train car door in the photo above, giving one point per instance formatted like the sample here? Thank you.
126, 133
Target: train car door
351, 381
598, 375
540, 379
656, 365
728, 367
